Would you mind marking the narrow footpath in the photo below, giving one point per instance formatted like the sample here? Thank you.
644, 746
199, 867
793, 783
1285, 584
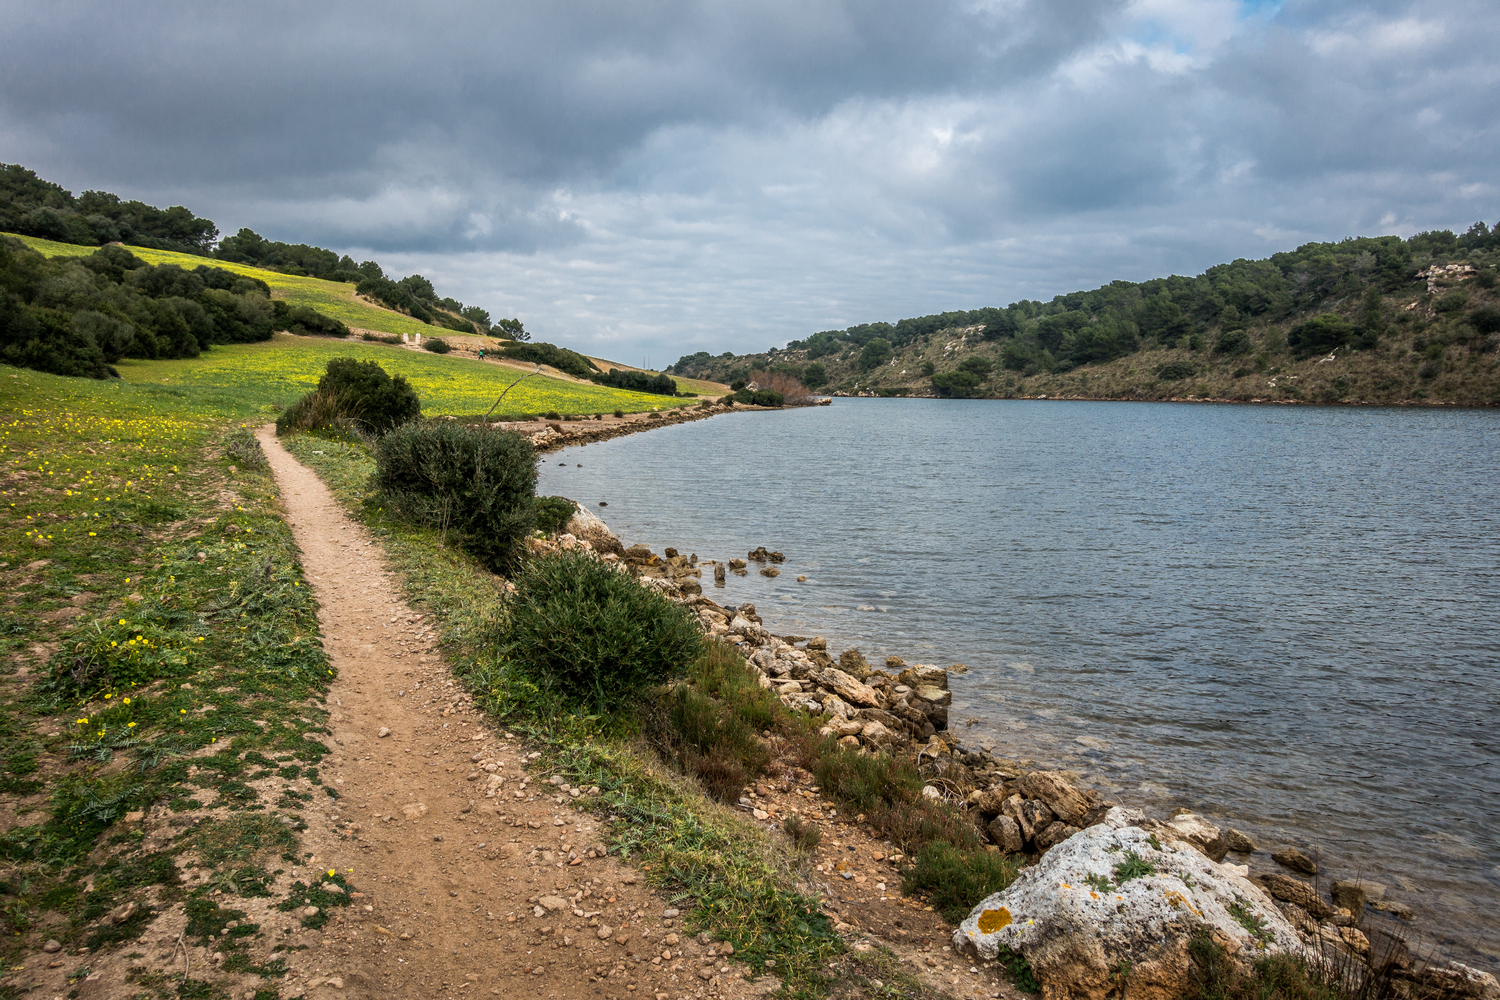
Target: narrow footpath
470, 877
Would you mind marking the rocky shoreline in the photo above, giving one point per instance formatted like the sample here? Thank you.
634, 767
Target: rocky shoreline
1030, 813
553, 435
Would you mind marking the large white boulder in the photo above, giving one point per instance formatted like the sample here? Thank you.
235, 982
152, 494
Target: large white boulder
1087, 927
584, 524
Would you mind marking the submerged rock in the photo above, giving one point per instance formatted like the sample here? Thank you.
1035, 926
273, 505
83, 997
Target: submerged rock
1297, 892
1236, 841
1354, 893
1296, 861
1079, 917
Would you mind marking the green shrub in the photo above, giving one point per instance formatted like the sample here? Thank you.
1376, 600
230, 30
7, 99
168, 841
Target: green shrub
1485, 319
369, 394
661, 385
319, 413
1133, 866
1283, 976
554, 513
1455, 301
876, 352
553, 415
803, 834
956, 881
1173, 371
589, 636
983, 367
956, 384
437, 345
1233, 342
561, 358
306, 322
619, 414
1322, 333
887, 790
479, 484
712, 743
764, 397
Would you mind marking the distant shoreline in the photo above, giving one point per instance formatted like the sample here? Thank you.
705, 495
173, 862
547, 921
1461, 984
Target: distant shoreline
1404, 403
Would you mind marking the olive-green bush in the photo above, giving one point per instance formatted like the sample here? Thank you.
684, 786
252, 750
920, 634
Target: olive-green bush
479, 485
588, 636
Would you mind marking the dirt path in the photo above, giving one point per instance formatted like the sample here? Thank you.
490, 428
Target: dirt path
469, 881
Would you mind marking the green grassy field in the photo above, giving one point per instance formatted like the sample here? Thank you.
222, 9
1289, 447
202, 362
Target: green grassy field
249, 380
331, 298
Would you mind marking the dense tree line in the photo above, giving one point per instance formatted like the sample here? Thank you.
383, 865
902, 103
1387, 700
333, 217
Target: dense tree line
661, 385
249, 247
561, 358
35, 207
79, 315
1207, 312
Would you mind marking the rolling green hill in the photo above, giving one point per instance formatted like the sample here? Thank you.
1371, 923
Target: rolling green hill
1381, 320
331, 298
183, 325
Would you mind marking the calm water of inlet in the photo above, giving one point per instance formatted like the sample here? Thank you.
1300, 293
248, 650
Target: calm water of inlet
1282, 617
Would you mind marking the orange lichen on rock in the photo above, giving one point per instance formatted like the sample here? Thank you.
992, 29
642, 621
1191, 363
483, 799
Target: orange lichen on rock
991, 921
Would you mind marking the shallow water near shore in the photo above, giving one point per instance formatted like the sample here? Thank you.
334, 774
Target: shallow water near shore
1282, 617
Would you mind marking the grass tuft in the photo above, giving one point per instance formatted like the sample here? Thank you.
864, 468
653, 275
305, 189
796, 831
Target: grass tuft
955, 881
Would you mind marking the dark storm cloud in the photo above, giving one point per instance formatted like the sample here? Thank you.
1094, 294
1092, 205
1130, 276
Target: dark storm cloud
331, 94
726, 175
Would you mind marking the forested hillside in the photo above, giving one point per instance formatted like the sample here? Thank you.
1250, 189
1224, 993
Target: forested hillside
1365, 320
32, 206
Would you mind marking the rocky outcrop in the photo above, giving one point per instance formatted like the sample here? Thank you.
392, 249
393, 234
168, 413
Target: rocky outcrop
1453, 981
1112, 909
587, 527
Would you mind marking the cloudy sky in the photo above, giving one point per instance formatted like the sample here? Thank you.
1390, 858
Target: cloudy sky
658, 177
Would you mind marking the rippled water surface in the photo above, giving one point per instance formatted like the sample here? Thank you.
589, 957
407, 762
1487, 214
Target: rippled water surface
1284, 617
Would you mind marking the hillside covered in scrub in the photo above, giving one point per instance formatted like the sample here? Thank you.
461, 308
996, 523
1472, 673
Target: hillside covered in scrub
33, 206
1370, 320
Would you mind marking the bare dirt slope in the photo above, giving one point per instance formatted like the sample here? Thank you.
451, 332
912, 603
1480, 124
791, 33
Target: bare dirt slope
460, 893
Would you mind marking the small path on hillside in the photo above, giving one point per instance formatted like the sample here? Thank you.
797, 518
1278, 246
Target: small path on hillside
448, 878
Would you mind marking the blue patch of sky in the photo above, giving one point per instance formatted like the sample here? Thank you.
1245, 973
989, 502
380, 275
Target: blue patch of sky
1259, 10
